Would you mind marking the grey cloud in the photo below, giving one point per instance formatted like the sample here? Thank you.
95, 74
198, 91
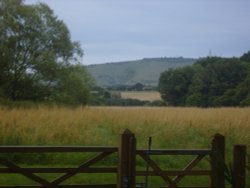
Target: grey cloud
127, 29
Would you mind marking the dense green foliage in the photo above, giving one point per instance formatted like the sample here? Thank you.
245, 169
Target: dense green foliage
212, 81
145, 71
38, 60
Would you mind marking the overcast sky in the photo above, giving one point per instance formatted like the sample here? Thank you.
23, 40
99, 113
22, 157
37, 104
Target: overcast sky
118, 30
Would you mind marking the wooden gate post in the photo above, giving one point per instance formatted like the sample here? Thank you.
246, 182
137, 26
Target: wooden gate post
239, 166
126, 166
218, 161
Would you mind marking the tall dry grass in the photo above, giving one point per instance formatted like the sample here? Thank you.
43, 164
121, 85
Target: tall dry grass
169, 127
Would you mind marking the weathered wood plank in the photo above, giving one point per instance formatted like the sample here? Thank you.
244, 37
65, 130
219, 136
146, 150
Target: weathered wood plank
239, 166
126, 163
218, 161
176, 173
54, 149
65, 186
175, 152
62, 170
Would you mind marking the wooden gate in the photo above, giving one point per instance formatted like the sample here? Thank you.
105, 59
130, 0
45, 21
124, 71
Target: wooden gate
85, 167
126, 168
171, 178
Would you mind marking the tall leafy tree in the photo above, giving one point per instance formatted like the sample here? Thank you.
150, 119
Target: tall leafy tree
174, 84
246, 57
211, 81
37, 55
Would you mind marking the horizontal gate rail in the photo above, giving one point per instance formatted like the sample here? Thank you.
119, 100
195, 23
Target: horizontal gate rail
66, 186
175, 152
62, 170
176, 172
54, 149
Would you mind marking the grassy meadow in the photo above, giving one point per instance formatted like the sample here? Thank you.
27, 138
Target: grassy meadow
169, 127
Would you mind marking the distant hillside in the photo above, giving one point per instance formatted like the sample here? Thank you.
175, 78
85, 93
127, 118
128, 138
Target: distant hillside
146, 71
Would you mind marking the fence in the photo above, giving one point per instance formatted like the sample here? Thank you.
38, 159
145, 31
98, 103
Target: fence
126, 167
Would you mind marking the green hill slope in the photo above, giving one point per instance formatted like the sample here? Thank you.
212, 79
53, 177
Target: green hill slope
146, 71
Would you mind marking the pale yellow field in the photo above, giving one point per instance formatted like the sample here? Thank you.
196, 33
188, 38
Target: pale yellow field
169, 127
141, 95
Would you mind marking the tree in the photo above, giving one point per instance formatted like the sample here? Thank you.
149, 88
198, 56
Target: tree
174, 84
214, 80
73, 87
38, 58
211, 81
199, 88
246, 57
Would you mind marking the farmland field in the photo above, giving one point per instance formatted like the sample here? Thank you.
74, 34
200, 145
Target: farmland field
141, 95
89, 126
169, 127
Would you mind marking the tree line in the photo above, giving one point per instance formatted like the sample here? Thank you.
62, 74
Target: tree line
38, 60
210, 82
40, 63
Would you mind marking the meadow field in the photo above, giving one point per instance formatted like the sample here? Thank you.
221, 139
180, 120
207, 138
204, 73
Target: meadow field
141, 95
170, 127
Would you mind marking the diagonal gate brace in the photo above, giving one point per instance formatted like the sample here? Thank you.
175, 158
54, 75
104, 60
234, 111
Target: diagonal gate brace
26, 173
